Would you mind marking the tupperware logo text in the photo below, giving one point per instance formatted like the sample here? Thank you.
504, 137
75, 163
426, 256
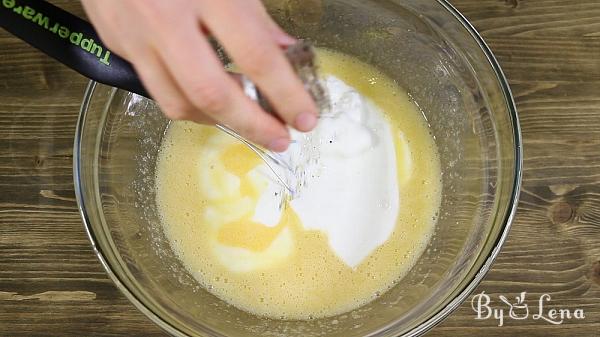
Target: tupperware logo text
519, 310
75, 38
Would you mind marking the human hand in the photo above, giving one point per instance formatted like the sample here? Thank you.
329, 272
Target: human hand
166, 41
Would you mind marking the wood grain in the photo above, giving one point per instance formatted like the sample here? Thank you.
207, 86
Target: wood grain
52, 284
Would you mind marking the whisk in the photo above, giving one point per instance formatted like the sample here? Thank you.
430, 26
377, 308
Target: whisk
302, 58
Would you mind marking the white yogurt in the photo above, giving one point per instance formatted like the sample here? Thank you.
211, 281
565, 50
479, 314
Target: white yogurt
351, 193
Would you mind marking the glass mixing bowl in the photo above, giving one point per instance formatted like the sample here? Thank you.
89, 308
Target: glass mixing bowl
431, 51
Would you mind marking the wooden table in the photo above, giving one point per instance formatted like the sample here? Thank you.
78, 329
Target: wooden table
52, 284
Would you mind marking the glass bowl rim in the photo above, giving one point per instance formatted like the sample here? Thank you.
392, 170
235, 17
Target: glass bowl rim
423, 327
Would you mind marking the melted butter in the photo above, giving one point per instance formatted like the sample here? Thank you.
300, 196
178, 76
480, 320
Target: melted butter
248, 234
239, 159
244, 233
207, 193
254, 236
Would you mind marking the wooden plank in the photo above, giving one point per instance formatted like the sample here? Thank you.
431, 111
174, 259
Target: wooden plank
52, 284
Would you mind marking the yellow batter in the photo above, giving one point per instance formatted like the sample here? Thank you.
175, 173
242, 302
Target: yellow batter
208, 187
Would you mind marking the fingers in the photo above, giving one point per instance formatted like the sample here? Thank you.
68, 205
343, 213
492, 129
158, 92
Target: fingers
281, 37
104, 22
177, 65
258, 55
203, 81
146, 61
163, 88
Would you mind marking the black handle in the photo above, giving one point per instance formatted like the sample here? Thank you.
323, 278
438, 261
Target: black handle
68, 39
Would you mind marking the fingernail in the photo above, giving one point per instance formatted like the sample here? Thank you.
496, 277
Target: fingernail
279, 145
305, 122
285, 40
